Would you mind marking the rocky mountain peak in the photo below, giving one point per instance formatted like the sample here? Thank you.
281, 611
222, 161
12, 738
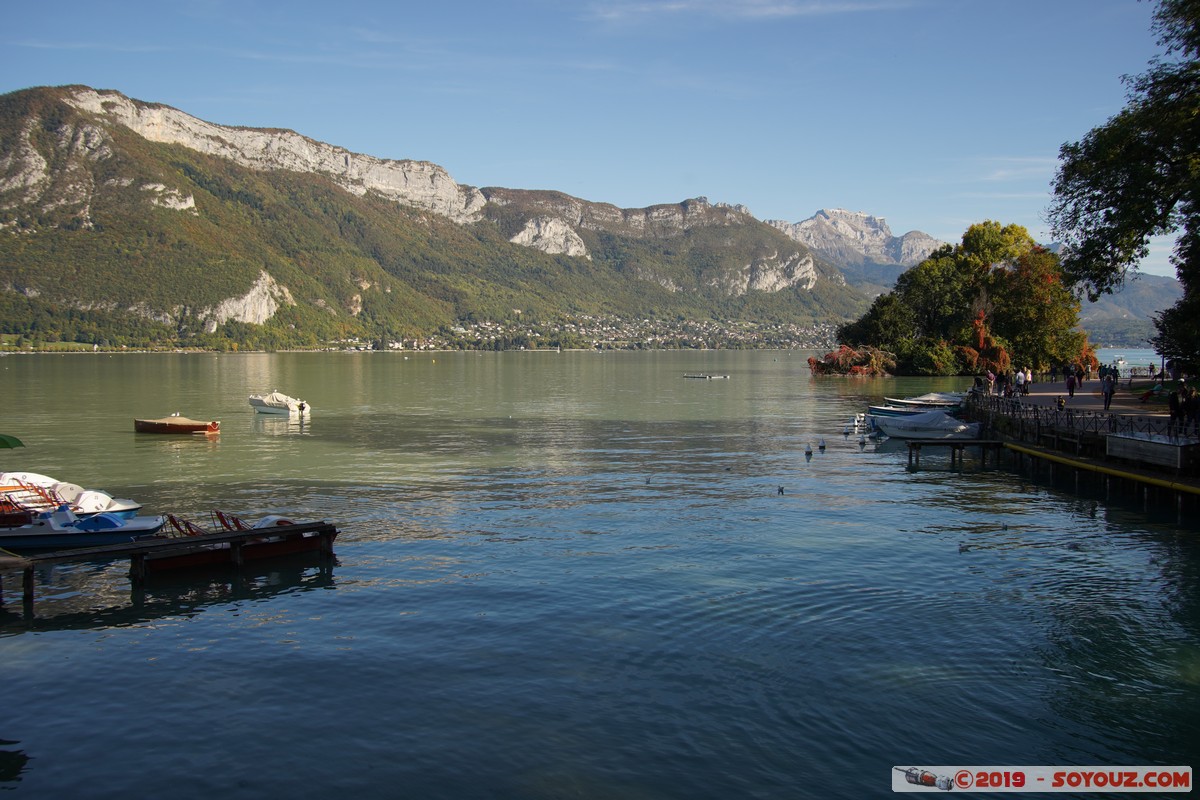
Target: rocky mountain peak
855, 238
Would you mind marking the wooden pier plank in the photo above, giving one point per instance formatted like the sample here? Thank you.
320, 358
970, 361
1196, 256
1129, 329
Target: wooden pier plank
143, 553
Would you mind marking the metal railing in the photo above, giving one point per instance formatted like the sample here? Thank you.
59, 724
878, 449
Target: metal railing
1008, 415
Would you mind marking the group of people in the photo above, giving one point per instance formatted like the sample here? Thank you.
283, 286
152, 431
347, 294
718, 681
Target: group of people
1010, 384
1184, 404
1183, 401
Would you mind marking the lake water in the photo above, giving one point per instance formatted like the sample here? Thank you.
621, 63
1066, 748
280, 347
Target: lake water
576, 575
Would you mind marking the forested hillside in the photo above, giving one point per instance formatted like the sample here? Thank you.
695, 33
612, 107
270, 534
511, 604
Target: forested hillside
108, 237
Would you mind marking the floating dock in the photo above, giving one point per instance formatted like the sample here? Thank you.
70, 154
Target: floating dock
154, 554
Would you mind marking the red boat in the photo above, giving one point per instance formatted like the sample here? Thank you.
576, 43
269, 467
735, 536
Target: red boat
175, 424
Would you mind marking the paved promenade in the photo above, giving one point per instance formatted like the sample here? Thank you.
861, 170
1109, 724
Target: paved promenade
1126, 414
1088, 398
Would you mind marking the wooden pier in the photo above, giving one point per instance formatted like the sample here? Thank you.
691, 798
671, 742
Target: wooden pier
151, 555
956, 448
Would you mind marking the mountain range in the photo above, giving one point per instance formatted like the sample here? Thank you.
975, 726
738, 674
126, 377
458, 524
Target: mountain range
122, 219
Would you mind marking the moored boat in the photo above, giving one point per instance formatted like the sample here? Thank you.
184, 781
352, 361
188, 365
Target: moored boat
928, 425
896, 411
277, 402
175, 424
23, 531
36, 492
930, 399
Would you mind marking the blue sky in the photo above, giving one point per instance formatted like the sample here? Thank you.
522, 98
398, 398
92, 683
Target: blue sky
933, 114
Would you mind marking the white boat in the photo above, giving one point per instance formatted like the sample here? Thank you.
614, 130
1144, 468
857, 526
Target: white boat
62, 529
930, 400
896, 411
278, 403
37, 492
928, 425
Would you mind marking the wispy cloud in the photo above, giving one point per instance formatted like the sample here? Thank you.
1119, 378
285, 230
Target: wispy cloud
634, 10
1005, 169
102, 47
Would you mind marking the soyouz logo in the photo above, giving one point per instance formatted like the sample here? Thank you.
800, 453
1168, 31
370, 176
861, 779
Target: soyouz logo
1041, 779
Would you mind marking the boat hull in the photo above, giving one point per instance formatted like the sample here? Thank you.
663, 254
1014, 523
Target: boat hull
175, 425
41, 534
895, 411
283, 411
930, 400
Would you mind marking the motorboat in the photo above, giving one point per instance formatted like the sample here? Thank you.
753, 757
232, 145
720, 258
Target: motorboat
61, 528
930, 400
278, 403
36, 492
175, 424
928, 425
896, 411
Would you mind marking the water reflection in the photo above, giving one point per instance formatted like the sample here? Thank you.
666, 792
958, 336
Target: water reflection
12, 762
94, 596
281, 425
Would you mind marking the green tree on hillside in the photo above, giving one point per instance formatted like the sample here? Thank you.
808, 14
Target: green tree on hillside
996, 301
1138, 176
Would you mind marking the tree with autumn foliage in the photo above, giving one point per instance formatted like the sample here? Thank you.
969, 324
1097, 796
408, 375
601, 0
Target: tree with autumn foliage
995, 301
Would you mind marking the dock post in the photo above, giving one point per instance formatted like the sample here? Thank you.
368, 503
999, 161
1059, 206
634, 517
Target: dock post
27, 590
137, 568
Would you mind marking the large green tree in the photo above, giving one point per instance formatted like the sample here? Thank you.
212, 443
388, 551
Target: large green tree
995, 301
1138, 176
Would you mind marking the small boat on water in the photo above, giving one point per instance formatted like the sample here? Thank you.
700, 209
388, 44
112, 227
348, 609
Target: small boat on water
278, 403
32, 491
897, 411
175, 424
24, 530
705, 377
928, 425
930, 400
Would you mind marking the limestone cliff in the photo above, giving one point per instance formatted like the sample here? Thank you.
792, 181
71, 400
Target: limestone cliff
415, 183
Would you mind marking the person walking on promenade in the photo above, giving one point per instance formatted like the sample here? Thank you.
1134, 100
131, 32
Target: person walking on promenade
1028, 379
1193, 412
1070, 384
1175, 403
1107, 387
991, 379
1019, 378
1054, 373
